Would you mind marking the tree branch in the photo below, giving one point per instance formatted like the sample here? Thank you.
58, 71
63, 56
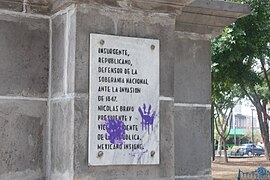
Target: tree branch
265, 73
228, 117
216, 124
257, 101
247, 94
230, 127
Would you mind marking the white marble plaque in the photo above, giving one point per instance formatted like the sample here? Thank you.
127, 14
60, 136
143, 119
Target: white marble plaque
123, 100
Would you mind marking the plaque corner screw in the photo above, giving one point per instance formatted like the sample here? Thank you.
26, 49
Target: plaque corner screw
102, 42
100, 154
152, 153
152, 47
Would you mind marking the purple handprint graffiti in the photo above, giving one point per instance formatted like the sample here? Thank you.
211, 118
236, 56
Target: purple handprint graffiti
147, 119
115, 131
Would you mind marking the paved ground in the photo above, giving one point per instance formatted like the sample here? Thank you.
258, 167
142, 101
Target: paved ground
223, 171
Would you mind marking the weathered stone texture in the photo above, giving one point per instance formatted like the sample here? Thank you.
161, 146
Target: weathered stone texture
81, 114
167, 166
192, 141
170, 6
15, 5
71, 50
58, 55
24, 56
22, 124
62, 133
209, 17
38, 6
89, 20
63, 56
192, 77
58, 4
29, 6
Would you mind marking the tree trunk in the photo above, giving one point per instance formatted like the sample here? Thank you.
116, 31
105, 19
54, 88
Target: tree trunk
225, 150
266, 142
219, 149
266, 148
264, 133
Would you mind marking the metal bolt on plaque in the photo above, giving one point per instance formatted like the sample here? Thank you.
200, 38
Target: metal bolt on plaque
101, 41
100, 154
152, 153
152, 47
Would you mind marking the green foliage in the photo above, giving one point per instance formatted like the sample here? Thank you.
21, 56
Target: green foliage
240, 63
239, 53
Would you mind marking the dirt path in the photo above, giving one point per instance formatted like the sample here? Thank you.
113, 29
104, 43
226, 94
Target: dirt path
228, 171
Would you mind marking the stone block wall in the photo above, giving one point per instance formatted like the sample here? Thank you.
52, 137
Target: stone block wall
192, 107
61, 95
44, 96
24, 68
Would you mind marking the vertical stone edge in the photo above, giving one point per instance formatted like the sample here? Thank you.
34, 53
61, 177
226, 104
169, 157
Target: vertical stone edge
62, 139
48, 130
167, 140
61, 104
72, 14
59, 55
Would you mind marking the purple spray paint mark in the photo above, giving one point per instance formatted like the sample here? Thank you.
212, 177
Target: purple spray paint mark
147, 120
115, 131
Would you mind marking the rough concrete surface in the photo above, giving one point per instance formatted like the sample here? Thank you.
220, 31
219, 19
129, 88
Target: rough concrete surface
192, 75
63, 56
22, 124
62, 144
71, 49
37, 6
209, 17
23, 175
24, 56
57, 4
12, 5
192, 141
88, 21
58, 55
29, 6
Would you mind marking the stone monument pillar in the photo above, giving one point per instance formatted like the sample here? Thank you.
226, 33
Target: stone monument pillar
198, 23
61, 116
